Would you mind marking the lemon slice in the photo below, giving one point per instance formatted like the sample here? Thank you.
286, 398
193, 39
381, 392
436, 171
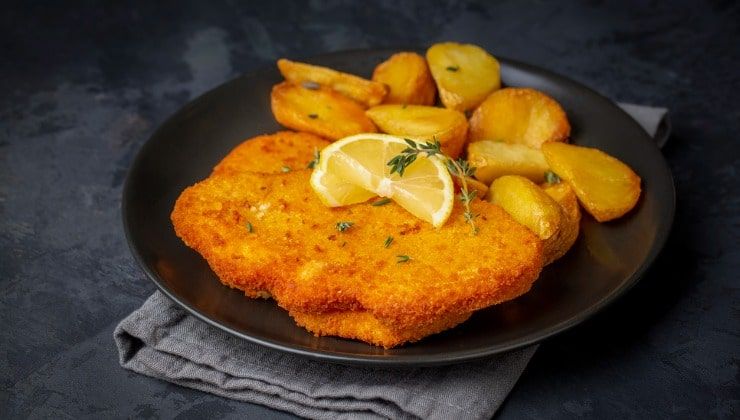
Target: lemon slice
335, 192
355, 166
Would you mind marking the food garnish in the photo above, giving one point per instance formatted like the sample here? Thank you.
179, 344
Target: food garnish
551, 177
458, 168
357, 165
343, 226
316, 157
381, 202
388, 241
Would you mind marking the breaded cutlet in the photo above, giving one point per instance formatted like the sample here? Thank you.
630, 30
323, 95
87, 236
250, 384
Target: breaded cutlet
295, 252
363, 326
272, 153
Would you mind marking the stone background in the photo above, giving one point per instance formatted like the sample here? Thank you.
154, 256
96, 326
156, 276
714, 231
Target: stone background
82, 88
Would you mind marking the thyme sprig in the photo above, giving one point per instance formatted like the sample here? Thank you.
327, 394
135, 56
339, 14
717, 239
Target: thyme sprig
315, 161
551, 177
381, 202
388, 241
458, 168
343, 226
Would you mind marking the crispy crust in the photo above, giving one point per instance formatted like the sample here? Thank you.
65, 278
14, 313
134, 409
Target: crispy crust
270, 153
322, 111
519, 115
448, 126
363, 326
296, 254
557, 245
409, 79
365, 92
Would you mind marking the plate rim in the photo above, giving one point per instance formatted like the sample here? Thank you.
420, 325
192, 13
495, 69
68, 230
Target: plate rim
397, 361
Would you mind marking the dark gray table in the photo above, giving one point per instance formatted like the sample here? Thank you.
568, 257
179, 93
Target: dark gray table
81, 89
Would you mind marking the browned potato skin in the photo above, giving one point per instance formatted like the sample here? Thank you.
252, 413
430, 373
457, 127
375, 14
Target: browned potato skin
606, 187
559, 244
464, 73
409, 79
520, 115
364, 91
448, 126
493, 159
528, 204
336, 116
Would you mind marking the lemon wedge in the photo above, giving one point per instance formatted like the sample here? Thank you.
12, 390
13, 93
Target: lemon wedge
355, 168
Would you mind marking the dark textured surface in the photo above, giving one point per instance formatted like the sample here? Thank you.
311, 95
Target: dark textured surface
82, 89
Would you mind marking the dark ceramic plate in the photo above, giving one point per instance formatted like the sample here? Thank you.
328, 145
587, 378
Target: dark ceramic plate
604, 263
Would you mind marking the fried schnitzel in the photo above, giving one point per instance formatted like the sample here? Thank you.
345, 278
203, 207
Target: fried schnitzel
363, 326
272, 153
269, 236
294, 251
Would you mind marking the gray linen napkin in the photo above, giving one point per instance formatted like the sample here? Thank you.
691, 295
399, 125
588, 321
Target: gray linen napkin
161, 340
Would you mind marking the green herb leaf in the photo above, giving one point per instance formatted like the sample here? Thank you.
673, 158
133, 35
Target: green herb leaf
402, 259
316, 157
250, 228
285, 169
459, 168
313, 116
551, 177
453, 68
381, 202
343, 226
388, 241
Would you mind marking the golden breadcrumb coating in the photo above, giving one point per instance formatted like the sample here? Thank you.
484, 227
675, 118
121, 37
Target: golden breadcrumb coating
363, 326
295, 252
272, 153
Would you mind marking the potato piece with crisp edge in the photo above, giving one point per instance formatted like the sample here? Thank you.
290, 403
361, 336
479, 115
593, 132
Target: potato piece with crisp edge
321, 111
557, 245
606, 187
465, 74
409, 79
493, 159
423, 122
519, 115
528, 204
364, 91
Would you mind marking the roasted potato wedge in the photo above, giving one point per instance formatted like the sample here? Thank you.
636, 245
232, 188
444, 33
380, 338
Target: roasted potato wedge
606, 187
423, 122
528, 204
557, 245
493, 159
408, 77
465, 74
321, 111
519, 115
364, 91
